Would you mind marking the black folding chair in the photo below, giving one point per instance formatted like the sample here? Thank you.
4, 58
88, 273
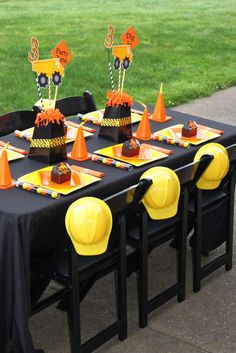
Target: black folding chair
73, 105
18, 120
78, 274
149, 234
212, 214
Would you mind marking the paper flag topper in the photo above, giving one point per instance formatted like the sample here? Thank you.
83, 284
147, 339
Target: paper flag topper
34, 53
130, 37
108, 42
62, 52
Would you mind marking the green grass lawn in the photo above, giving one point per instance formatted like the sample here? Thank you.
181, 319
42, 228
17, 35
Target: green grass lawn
188, 45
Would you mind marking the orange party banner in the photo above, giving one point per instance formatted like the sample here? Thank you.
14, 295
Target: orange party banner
130, 37
62, 52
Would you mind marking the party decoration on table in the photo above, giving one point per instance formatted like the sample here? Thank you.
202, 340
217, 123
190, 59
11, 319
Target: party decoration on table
62, 52
48, 70
37, 189
144, 129
108, 44
131, 148
33, 55
130, 37
6, 181
112, 162
42, 177
79, 150
189, 129
48, 141
116, 124
159, 113
175, 133
147, 154
61, 173
171, 141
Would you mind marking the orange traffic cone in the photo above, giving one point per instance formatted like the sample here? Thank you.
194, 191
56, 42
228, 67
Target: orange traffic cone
144, 130
6, 181
79, 150
159, 113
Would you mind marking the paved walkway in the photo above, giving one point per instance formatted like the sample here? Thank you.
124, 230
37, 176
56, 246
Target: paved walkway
204, 323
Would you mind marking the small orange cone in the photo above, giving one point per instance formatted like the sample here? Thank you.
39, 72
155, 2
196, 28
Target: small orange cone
6, 181
144, 130
79, 150
159, 113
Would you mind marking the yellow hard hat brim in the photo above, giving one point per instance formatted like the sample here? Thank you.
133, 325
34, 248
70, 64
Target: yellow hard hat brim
90, 249
208, 185
158, 214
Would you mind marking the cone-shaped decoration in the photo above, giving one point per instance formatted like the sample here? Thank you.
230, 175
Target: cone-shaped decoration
144, 130
6, 181
159, 113
79, 151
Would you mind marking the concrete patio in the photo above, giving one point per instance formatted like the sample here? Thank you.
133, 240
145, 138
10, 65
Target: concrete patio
204, 323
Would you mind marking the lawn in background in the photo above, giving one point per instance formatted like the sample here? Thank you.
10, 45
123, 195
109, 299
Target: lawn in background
188, 45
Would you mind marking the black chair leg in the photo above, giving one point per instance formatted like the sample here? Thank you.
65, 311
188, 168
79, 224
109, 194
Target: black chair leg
143, 273
197, 250
74, 308
122, 284
229, 241
182, 240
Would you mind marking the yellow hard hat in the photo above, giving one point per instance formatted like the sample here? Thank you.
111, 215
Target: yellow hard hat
217, 169
161, 199
89, 223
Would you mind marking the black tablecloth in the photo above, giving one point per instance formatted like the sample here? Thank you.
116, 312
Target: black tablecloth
33, 231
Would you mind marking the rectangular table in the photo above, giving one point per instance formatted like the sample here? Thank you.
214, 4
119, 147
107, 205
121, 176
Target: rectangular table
32, 227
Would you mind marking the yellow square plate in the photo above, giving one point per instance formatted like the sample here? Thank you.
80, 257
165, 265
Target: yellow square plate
175, 131
12, 155
98, 115
42, 177
147, 154
70, 137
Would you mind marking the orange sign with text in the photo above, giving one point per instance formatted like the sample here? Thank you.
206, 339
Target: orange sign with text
130, 37
62, 52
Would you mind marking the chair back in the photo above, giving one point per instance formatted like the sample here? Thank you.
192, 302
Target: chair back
231, 152
18, 120
77, 104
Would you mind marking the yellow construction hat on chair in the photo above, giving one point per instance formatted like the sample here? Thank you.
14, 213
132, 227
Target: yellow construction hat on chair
89, 223
162, 197
217, 169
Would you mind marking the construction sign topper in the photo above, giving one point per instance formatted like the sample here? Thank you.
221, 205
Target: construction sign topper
130, 37
62, 52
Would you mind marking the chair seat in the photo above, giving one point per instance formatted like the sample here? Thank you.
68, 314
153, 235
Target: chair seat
208, 198
155, 228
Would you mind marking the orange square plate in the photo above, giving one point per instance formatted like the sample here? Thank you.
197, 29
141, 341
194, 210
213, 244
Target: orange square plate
175, 131
42, 177
70, 136
146, 155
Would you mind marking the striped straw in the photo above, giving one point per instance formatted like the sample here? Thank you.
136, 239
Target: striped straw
172, 141
110, 70
38, 189
112, 162
119, 79
23, 135
39, 91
